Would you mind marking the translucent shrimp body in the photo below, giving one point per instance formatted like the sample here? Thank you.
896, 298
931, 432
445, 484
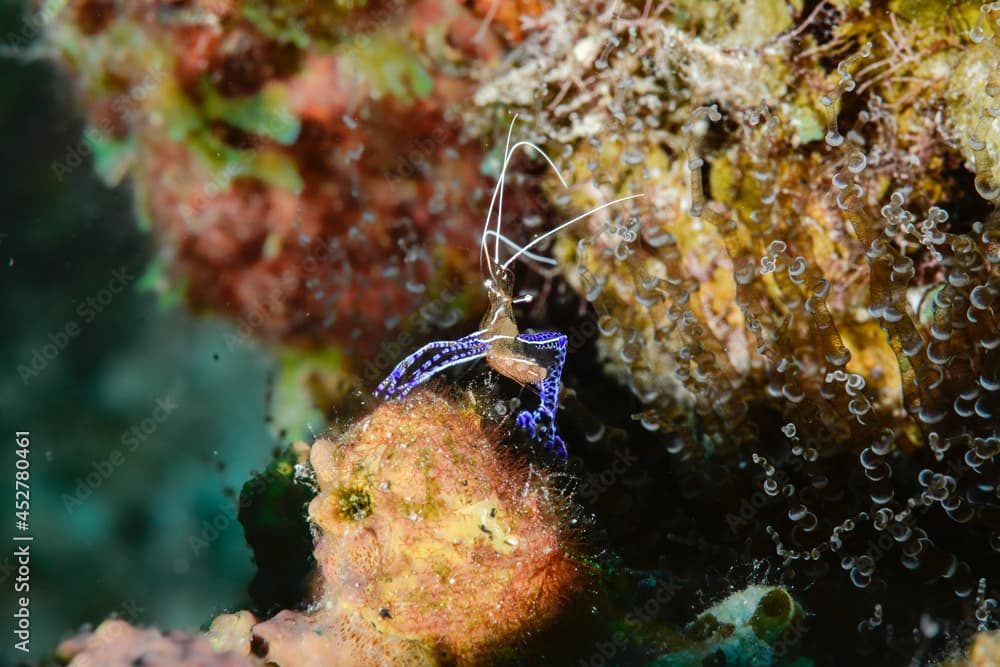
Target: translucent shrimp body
534, 359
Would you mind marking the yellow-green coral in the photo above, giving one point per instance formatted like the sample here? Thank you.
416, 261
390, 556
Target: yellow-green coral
753, 290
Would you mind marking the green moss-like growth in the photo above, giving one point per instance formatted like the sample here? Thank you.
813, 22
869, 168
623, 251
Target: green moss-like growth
265, 113
272, 510
308, 24
355, 503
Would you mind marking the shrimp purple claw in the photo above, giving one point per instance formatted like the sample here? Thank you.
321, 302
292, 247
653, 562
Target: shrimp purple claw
541, 423
535, 359
452, 353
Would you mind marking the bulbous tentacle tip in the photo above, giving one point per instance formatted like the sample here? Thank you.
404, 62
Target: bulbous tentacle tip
526, 421
540, 425
558, 445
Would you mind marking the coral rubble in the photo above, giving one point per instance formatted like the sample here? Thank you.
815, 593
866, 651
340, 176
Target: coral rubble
432, 546
750, 628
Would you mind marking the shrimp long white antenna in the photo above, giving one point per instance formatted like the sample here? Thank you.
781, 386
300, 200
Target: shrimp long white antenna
489, 213
497, 199
541, 259
535, 358
564, 225
503, 177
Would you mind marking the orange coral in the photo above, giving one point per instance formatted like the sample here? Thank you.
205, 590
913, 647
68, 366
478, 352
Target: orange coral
432, 543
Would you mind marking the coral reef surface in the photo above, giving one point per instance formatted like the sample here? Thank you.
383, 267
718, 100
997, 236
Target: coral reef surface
115, 643
301, 166
802, 312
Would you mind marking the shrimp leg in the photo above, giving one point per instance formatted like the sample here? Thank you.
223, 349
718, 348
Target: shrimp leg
541, 422
389, 387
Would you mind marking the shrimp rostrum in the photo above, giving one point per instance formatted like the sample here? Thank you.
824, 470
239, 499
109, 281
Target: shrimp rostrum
534, 359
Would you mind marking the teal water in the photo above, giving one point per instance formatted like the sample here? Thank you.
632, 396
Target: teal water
140, 416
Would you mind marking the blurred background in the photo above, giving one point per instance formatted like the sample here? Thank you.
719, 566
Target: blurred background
96, 362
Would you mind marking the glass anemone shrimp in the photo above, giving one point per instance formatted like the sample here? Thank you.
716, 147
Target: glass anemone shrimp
534, 359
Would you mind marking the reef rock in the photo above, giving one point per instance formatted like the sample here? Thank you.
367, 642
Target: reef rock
115, 643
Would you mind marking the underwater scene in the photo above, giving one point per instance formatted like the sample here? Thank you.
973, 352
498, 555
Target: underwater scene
606, 333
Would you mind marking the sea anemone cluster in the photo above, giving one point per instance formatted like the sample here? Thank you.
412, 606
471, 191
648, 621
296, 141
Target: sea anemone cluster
804, 302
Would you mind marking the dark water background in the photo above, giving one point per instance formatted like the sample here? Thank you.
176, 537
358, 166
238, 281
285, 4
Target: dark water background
183, 408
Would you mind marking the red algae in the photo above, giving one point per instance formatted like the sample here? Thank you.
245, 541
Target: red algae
301, 168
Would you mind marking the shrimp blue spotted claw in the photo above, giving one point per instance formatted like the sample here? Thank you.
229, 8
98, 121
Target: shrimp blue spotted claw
535, 359
451, 353
523, 366
541, 423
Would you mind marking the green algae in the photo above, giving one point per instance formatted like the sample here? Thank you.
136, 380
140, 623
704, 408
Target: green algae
303, 23
389, 67
272, 510
265, 113
355, 503
112, 157
305, 379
